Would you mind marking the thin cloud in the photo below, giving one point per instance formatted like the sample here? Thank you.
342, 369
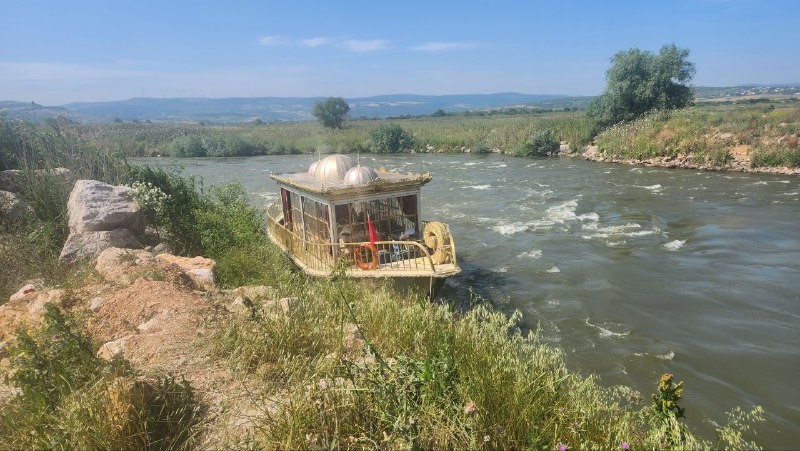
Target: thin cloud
314, 42
356, 45
444, 46
269, 41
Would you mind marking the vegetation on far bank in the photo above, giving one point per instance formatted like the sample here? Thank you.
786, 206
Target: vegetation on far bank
767, 134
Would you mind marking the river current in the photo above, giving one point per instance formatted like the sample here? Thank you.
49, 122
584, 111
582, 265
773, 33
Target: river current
632, 271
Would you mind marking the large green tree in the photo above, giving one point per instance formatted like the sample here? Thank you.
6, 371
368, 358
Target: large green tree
331, 112
640, 81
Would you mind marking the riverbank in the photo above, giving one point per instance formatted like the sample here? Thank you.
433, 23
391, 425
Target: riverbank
754, 139
740, 161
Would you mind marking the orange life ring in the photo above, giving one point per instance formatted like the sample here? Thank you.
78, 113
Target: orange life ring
366, 265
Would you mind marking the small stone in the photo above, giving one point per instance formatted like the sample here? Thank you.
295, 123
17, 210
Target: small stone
95, 304
113, 348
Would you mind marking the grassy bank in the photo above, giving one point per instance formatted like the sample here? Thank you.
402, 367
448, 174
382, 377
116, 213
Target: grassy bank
716, 135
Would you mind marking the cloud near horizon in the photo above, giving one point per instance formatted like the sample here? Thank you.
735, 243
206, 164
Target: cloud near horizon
444, 46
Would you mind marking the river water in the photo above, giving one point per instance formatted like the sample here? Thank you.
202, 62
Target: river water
632, 271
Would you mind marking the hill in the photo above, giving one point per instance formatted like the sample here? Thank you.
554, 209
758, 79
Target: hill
282, 109
268, 109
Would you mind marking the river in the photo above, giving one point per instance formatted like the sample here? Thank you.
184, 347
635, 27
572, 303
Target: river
632, 271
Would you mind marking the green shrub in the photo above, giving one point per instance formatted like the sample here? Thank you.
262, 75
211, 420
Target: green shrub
542, 143
390, 138
782, 156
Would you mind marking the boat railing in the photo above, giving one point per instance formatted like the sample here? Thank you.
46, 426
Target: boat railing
382, 257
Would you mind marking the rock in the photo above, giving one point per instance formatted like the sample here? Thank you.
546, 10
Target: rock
28, 292
162, 248
13, 208
91, 244
95, 304
113, 348
36, 307
155, 323
96, 206
199, 269
12, 180
117, 264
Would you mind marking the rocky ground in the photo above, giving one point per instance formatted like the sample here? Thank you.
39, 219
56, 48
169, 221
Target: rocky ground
159, 314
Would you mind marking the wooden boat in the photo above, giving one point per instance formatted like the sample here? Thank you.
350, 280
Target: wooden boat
341, 216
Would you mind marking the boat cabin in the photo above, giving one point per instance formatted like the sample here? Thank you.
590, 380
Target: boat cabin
367, 221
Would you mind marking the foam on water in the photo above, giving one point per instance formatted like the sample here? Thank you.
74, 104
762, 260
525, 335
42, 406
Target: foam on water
510, 229
534, 254
501, 269
629, 230
667, 356
554, 270
674, 245
607, 333
480, 187
654, 188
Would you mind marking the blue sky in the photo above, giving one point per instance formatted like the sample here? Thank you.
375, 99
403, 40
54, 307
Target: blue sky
55, 52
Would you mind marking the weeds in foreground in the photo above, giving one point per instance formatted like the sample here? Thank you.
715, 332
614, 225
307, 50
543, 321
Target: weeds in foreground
71, 399
358, 366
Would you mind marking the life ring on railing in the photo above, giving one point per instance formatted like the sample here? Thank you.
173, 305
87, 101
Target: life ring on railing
358, 256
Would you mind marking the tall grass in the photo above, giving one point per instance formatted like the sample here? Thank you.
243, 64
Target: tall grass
448, 134
355, 365
708, 135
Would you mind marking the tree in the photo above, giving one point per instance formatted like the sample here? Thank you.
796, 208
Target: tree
331, 112
640, 81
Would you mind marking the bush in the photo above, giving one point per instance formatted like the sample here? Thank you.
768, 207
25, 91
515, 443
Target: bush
390, 138
783, 156
543, 143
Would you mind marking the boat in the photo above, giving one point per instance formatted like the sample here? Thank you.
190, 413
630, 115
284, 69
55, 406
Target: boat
340, 217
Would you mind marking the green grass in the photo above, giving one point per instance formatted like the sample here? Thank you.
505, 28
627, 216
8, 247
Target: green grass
449, 134
416, 374
708, 135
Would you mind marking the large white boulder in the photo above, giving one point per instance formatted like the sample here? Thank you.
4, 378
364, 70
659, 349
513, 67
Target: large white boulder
96, 206
82, 245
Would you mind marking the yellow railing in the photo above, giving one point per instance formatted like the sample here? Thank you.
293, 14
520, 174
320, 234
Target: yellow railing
394, 257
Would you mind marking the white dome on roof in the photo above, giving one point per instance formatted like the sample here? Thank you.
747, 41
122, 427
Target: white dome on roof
333, 168
313, 167
360, 175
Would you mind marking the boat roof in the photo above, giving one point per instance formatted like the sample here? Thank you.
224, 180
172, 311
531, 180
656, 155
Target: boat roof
338, 177
386, 182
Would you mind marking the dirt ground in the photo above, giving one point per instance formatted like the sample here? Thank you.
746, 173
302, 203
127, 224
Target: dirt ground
160, 327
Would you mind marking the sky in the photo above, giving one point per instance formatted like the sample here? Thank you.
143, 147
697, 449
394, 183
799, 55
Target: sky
57, 52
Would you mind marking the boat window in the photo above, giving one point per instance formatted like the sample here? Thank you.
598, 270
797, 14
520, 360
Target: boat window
394, 218
295, 213
287, 207
316, 217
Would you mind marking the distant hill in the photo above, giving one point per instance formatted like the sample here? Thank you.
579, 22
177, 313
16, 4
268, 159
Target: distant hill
277, 109
268, 109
